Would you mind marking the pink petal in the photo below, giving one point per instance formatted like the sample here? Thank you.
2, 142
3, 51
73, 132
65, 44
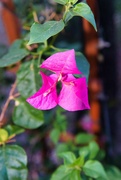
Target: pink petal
74, 94
46, 97
62, 62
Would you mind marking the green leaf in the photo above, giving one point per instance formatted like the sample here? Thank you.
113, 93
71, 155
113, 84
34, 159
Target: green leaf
75, 175
15, 54
54, 135
61, 121
84, 151
14, 130
73, 1
113, 173
63, 2
83, 10
26, 116
41, 32
83, 65
83, 138
63, 173
3, 50
101, 155
62, 147
13, 162
94, 169
28, 78
3, 136
78, 163
94, 149
68, 157
89, 151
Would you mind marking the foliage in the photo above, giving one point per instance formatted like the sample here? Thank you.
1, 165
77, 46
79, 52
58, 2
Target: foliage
79, 152
13, 162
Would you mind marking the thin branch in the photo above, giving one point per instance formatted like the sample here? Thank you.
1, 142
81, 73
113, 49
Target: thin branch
16, 95
10, 97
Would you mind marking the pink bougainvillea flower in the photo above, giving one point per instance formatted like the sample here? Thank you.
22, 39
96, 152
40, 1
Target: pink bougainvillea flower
46, 97
73, 95
62, 62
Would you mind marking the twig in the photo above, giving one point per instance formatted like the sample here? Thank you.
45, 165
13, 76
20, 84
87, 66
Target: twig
16, 95
10, 97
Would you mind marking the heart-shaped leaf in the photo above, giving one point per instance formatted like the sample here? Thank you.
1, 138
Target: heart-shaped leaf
68, 157
15, 54
28, 78
41, 32
63, 173
94, 169
84, 138
26, 116
83, 10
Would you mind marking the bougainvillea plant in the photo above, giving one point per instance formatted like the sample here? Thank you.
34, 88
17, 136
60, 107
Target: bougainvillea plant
61, 65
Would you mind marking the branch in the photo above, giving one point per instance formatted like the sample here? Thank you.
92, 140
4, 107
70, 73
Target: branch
10, 97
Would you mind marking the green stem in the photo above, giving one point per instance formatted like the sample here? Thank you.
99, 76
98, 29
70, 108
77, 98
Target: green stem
39, 59
46, 44
53, 47
53, 39
34, 53
67, 8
